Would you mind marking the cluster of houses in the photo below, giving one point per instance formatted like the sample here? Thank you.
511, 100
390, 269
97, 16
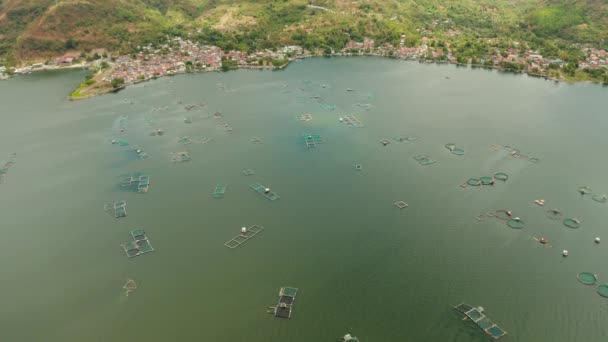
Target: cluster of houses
181, 54
594, 59
150, 62
178, 55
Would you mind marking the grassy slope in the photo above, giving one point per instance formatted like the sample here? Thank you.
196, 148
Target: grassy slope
37, 29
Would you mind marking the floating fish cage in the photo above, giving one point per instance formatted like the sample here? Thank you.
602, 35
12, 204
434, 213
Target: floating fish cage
452, 148
473, 182
486, 180
248, 172
501, 176
424, 160
137, 154
262, 190
485, 216
400, 204
117, 209
227, 127
348, 338
140, 244
515, 153
129, 287
220, 190
327, 107
404, 138
584, 190
477, 316
305, 117
136, 182
572, 223
120, 143
243, 237
516, 223
554, 214
312, 140
287, 296
602, 290
179, 157
587, 278
503, 214
352, 121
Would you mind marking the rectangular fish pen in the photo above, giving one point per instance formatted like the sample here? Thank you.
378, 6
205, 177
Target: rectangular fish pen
117, 209
220, 190
312, 140
352, 121
243, 237
264, 191
476, 315
287, 296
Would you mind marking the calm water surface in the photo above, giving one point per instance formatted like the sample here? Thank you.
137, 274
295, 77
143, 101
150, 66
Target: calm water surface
362, 266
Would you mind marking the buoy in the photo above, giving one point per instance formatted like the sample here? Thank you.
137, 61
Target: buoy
244, 230
597, 240
565, 252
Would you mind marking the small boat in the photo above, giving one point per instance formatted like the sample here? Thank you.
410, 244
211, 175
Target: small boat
543, 240
350, 89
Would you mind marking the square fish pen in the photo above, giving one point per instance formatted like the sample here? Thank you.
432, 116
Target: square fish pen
117, 209
243, 237
312, 140
262, 190
220, 190
477, 316
140, 244
424, 160
136, 183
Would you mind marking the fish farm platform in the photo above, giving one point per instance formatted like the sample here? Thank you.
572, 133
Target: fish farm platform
312, 140
287, 295
477, 316
140, 244
243, 237
117, 209
260, 189
220, 190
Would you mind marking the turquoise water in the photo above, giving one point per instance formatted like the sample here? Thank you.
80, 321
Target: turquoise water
362, 266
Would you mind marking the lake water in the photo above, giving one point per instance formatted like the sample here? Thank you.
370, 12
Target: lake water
362, 266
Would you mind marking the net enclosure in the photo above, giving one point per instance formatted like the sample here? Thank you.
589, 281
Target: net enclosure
476, 315
572, 223
587, 278
264, 191
602, 290
424, 160
554, 214
140, 244
516, 223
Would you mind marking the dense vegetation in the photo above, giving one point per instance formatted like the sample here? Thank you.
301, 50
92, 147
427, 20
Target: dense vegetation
38, 29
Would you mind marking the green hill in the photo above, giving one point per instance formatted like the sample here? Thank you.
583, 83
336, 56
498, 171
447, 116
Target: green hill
37, 29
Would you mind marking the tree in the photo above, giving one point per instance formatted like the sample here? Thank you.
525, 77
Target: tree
118, 82
70, 44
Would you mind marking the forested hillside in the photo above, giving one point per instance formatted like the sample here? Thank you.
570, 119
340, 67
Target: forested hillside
38, 29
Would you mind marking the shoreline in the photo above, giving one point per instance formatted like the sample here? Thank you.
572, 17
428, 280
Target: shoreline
109, 90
